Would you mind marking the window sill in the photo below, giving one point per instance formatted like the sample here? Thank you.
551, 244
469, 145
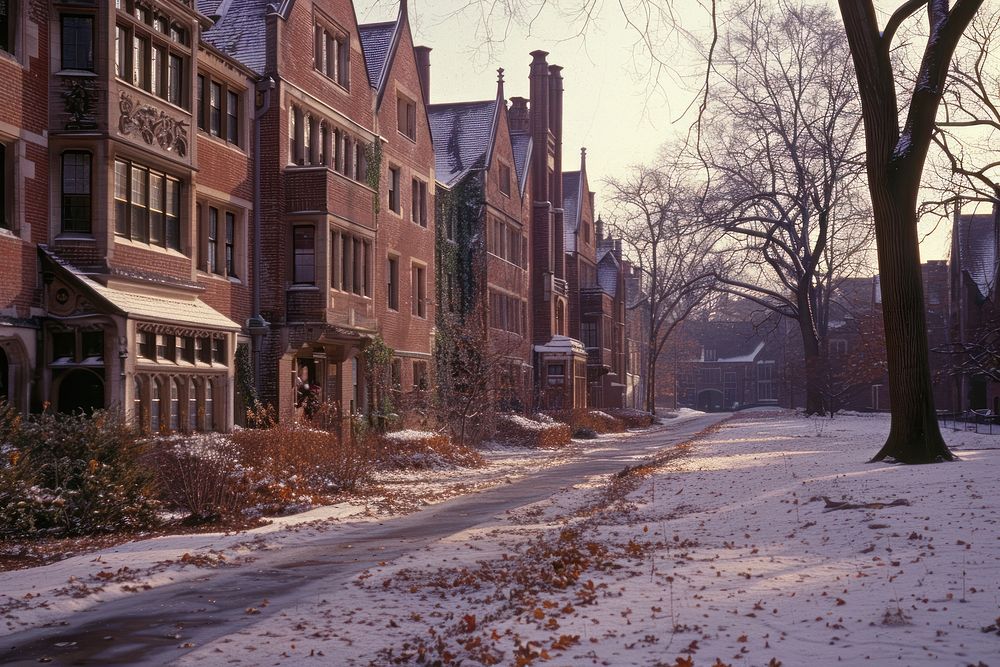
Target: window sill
225, 143
149, 246
342, 293
412, 139
150, 94
302, 288
76, 236
79, 73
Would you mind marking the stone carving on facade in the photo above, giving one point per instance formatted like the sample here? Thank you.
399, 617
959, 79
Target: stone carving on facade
152, 124
79, 98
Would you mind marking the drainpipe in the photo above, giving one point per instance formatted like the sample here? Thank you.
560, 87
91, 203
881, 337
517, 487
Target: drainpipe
257, 325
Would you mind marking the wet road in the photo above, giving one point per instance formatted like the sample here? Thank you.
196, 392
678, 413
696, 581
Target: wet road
148, 628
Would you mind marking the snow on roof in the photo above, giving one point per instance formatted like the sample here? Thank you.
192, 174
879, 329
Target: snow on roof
571, 209
745, 357
463, 135
241, 32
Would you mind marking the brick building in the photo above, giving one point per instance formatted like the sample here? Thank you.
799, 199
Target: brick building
206, 200
974, 306
484, 252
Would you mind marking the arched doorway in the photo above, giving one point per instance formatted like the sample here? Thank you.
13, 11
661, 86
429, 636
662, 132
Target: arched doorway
710, 400
81, 390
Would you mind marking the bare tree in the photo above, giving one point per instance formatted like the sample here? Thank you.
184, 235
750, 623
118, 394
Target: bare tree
784, 155
655, 216
895, 162
968, 124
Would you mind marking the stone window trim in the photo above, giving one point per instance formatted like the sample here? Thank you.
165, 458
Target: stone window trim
392, 280
9, 194
77, 40
418, 202
11, 29
394, 191
223, 254
76, 180
303, 255
229, 127
332, 52
316, 141
351, 262
406, 117
198, 391
503, 178
152, 53
419, 306
507, 241
142, 215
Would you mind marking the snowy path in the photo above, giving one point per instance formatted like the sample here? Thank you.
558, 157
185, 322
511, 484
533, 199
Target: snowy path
161, 625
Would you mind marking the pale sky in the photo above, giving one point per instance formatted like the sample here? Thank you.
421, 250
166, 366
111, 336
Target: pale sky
617, 104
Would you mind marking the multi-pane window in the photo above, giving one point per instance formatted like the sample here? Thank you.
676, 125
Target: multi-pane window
219, 240
507, 241
8, 24
212, 254
421, 380
765, 381
147, 205
350, 259
394, 194
304, 255
219, 109
230, 243
332, 54
507, 312
77, 41
406, 117
6, 216
76, 193
503, 174
588, 334
418, 291
418, 202
393, 278
152, 53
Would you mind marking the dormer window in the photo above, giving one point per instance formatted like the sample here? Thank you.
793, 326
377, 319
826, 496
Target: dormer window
332, 54
406, 117
504, 178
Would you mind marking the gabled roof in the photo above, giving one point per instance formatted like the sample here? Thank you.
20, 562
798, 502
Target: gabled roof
241, 32
608, 268
378, 42
978, 254
463, 135
522, 145
571, 185
189, 311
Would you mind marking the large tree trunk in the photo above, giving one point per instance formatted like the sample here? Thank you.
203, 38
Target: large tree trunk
914, 436
813, 368
650, 398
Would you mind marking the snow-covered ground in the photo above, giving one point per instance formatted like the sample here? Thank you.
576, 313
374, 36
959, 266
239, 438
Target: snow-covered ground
768, 541
43, 595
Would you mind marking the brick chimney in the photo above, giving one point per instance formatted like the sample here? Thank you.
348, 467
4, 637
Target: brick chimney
520, 122
423, 56
555, 126
539, 79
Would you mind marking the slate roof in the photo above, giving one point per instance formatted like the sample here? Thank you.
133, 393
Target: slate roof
376, 42
522, 154
607, 270
571, 209
241, 33
463, 135
978, 254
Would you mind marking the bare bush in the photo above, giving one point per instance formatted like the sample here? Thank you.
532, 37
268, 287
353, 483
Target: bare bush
524, 432
203, 476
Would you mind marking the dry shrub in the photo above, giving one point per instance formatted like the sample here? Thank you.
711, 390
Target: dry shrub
424, 450
631, 417
524, 432
582, 420
293, 462
203, 476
